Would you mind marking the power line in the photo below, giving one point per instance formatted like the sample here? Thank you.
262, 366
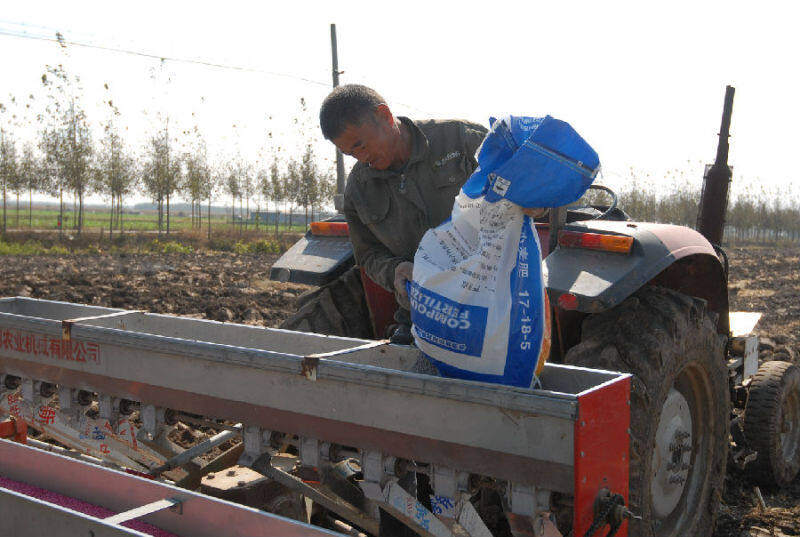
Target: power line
62, 41
159, 57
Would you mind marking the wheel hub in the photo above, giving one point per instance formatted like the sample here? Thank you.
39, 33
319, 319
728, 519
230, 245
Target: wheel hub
672, 454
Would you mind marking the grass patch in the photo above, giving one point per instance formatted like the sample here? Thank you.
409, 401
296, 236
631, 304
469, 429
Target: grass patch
95, 220
30, 244
261, 246
168, 247
31, 248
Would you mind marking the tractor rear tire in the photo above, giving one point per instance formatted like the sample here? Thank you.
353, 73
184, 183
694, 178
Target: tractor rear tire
772, 423
338, 308
679, 406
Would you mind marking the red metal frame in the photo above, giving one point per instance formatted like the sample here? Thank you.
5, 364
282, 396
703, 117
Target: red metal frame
601, 449
543, 230
14, 429
381, 304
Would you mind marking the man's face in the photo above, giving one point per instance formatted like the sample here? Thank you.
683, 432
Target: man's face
372, 142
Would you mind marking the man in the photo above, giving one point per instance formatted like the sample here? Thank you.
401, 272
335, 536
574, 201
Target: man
407, 176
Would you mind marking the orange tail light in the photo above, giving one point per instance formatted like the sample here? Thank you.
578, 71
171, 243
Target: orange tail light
330, 229
596, 241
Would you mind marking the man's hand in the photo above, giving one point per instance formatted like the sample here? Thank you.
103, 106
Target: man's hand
402, 273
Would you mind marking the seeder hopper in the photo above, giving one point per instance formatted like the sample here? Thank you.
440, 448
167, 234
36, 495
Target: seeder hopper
333, 425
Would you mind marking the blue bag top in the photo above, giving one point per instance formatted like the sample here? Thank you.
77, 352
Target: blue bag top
533, 162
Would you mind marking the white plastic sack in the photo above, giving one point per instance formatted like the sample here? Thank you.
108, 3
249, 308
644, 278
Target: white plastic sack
478, 303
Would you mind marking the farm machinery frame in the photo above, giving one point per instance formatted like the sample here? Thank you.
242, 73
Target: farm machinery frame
648, 384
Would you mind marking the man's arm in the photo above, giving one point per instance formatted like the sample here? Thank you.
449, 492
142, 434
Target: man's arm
377, 260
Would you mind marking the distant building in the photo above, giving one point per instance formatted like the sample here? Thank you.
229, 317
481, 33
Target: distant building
267, 218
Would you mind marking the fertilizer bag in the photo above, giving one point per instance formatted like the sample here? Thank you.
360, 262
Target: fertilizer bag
478, 304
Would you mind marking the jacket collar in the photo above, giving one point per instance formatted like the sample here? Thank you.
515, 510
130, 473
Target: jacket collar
419, 143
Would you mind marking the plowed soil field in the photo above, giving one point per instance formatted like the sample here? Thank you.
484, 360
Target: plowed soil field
236, 288
767, 280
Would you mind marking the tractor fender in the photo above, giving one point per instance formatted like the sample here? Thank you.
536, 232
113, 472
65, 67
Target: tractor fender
670, 256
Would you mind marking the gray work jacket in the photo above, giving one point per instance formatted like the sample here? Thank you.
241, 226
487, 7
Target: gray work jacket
388, 212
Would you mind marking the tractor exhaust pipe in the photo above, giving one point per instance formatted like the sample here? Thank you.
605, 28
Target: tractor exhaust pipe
716, 182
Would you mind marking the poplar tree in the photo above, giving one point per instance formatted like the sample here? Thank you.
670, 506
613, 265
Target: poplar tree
232, 187
115, 173
31, 176
277, 188
8, 168
161, 174
66, 139
264, 186
197, 183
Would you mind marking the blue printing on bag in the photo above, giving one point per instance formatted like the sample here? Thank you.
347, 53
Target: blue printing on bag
446, 323
521, 358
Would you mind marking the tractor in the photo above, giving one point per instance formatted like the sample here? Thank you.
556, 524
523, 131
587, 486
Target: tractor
643, 298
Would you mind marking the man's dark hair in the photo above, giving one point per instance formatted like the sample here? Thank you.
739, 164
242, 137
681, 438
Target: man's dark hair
351, 104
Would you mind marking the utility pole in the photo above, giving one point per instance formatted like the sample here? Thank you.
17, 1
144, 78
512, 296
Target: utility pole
338, 200
169, 186
3, 172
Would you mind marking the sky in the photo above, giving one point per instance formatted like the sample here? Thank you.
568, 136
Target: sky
642, 82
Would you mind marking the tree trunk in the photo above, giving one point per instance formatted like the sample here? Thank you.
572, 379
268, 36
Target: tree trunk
167, 212
4, 205
80, 211
60, 211
161, 212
